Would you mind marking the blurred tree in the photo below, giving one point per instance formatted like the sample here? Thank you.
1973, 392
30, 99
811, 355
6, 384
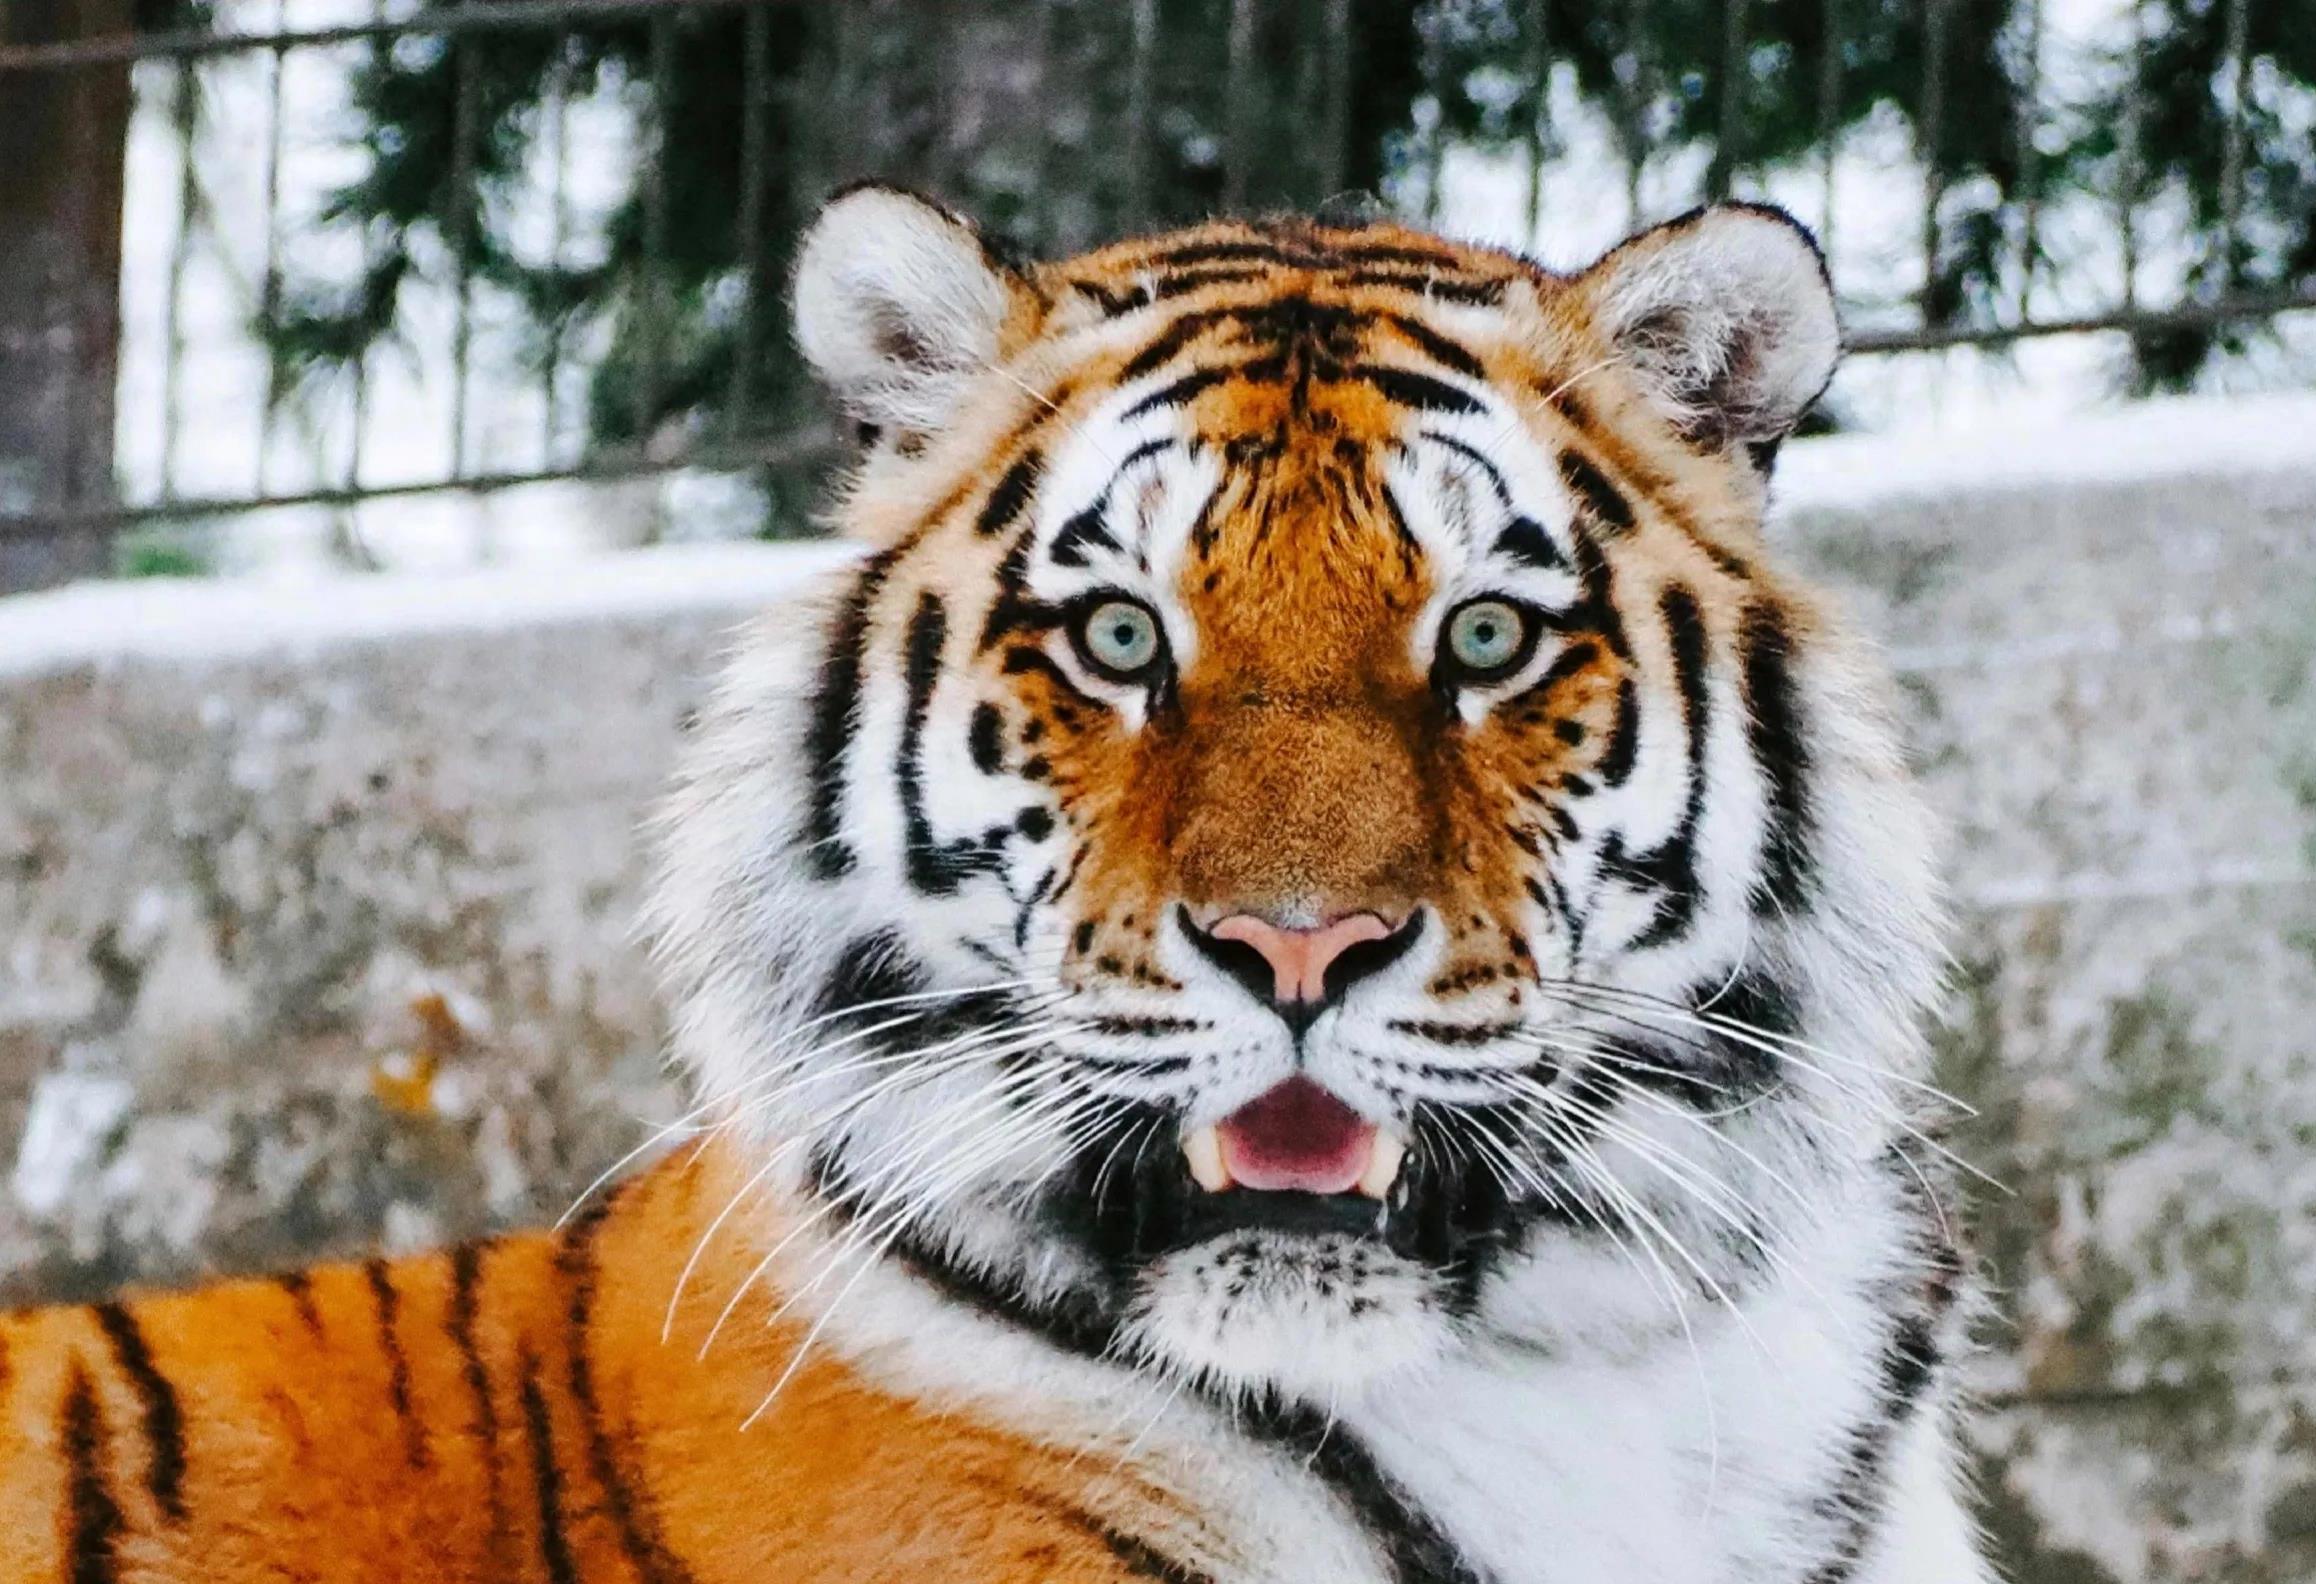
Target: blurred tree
2211, 99
63, 141
1061, 122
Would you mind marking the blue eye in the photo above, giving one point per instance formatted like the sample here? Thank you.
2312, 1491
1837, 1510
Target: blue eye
1120, 638
1485, 639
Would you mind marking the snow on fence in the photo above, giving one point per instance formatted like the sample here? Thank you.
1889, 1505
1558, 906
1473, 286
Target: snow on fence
316, 926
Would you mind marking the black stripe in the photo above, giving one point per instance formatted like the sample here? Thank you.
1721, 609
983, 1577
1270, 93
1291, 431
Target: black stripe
1167, 343
1610, 511
466, 1273
633, 1513
835, 704
1137, 1556
1473, 293
1413, 389
389, 1306
300, 1288
1083, 532
1671, 868
1188, 281
157, 1400
1420, 1552
1178, 393
985, 739
1012, 493
1479, 459
1358, 253
1439, 348
1192, 253
1623, 736
1910, 1362
93, 1523
546, 1481
1779, 738
1525, 541
935, 868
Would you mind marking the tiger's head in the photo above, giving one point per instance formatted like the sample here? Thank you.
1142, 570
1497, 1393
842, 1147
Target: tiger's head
1314, 830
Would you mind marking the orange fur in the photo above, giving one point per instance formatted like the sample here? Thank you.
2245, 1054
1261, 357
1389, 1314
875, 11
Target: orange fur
327, 1433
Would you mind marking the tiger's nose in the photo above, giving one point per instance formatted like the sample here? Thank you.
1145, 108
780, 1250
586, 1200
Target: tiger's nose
1301, 972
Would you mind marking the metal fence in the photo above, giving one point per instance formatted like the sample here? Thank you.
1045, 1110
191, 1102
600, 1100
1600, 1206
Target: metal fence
1509, 77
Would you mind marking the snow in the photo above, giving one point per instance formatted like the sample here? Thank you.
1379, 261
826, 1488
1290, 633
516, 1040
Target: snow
168, 619
2142, 442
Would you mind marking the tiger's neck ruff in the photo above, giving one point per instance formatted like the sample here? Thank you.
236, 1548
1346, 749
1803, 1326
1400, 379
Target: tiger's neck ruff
1317, 920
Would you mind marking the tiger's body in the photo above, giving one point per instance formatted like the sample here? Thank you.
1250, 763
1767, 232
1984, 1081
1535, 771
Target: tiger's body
1311, 970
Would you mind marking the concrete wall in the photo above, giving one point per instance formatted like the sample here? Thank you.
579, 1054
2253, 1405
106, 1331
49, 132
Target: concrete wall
315, 911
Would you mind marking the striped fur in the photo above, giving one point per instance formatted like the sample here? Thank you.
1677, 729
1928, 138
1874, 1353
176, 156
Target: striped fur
1664, 1290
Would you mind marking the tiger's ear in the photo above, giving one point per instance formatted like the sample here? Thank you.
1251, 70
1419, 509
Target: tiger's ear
899, 304
1726, 317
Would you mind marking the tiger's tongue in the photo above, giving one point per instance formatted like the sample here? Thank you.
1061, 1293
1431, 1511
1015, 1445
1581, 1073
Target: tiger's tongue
1299, 1137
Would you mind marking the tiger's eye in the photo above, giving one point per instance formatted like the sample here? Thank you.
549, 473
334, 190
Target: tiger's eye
1486, 637
1120, 637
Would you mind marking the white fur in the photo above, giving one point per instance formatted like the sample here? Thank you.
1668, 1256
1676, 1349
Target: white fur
897, 306
1733, 300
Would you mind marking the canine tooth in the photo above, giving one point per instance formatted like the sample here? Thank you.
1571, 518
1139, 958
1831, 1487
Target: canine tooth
1204, 1149
1382, 1165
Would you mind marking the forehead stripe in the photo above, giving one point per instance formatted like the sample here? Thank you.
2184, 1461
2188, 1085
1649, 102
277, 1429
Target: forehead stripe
1178, 394
1438, 348
1011, 494
1421, 391
1595, 494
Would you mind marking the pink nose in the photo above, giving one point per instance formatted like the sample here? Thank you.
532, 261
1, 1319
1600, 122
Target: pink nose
1299, 957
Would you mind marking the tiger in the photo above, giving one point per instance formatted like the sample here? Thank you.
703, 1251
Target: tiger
1312, 964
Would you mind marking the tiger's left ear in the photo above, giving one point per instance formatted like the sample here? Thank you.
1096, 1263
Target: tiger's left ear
1726, 316
899, 305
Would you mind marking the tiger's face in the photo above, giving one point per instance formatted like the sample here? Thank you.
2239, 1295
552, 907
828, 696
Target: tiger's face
1311, 833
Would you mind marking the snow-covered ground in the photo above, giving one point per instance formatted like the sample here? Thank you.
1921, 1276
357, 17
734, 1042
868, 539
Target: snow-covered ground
198, 292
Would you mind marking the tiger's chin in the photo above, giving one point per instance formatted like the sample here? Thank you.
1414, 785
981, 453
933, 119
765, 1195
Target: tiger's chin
1302, 1252
1321, 1316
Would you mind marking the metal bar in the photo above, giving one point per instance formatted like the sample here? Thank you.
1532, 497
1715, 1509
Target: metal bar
651, 383
755, 140
1829, 112
1141, 97
185, 115
1721, 174
1638, 135
269, 291
1238, 109
1929, 133
610, 470
2030, 170
2189, 316
465, 232
2232, 149
2128, 157
1435, 73
1538, 128
558, 241
1335, 89
501, 16
1045, 155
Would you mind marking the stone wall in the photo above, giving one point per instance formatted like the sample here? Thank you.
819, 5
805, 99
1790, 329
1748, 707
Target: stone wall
315, 929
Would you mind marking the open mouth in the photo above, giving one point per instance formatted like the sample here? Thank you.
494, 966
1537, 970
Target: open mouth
1296, 1138
1293, 1163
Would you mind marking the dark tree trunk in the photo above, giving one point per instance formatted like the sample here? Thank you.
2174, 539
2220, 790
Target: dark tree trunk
63, 138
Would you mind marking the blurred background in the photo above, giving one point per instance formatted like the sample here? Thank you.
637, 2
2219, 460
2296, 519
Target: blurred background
397, 410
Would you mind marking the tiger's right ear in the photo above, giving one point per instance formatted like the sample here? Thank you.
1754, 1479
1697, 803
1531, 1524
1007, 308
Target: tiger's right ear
899, 304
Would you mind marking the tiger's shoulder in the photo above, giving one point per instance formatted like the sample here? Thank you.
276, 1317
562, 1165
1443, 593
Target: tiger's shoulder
530, 1407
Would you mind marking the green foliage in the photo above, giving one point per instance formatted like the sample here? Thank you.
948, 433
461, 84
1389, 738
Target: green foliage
1060, 126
